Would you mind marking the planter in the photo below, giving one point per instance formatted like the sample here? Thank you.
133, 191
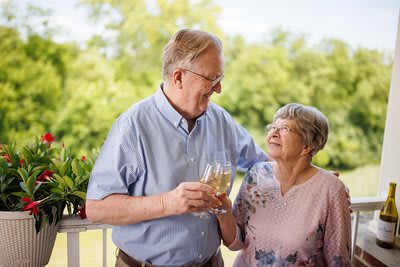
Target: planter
19, 243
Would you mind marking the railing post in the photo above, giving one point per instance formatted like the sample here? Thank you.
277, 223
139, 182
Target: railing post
104, 247
354, 231
73, 249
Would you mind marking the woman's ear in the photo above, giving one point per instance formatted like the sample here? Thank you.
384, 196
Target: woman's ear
177, 78
306, 150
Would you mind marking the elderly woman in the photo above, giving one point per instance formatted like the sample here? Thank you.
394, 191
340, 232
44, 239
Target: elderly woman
289, 211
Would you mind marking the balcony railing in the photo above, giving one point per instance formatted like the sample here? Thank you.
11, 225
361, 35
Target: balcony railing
73, 226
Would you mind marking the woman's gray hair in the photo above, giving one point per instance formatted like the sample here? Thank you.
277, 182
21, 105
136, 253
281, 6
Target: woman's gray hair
184, 47
312, 124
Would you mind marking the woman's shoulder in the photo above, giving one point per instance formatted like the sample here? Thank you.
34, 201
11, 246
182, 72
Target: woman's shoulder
329, 180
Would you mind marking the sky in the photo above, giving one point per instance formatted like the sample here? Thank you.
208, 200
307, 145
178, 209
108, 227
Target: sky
360, 23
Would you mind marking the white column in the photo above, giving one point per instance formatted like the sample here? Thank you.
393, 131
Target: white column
390, 161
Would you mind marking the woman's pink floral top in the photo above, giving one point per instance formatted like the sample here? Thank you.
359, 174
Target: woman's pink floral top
309, 226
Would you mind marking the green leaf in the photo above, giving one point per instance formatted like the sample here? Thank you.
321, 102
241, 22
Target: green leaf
19, 194
31, 181
61, 182
57, 164
80, 194
66, 167
39, 168
63, 155
77, 168
69, 182
56, 190
5, 183
27, 154
22, 185
24, 175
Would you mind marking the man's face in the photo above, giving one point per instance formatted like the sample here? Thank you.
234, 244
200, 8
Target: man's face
198, 81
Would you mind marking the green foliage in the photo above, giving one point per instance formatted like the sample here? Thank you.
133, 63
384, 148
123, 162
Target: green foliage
78, 93
349, 87
30, 89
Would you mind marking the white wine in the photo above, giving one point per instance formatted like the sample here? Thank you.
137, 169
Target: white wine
218, 181
224, 182
388, 218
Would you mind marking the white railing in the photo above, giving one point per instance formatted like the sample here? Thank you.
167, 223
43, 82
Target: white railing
358, 205
74, 225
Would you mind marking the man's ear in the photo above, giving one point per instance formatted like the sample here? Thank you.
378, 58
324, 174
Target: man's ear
177, 78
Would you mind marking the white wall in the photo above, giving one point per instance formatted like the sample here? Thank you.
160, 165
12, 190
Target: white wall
390, 161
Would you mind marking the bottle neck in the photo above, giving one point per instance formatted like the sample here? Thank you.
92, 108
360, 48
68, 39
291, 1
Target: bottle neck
392, 190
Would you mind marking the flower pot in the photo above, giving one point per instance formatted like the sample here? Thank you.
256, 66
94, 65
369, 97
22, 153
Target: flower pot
19, 243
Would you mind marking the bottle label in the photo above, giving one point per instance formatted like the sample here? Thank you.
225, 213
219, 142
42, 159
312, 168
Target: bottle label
386, 231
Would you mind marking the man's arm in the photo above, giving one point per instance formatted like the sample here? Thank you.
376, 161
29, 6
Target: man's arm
123, 209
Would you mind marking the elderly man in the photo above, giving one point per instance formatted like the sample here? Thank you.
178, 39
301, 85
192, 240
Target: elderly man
145, 180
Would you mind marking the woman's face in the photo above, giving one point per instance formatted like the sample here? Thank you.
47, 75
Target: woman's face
284, 141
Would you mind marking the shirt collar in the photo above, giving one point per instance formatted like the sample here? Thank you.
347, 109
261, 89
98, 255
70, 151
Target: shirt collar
166, 108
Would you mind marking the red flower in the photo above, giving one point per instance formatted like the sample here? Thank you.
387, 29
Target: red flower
44, 175
30, 205
21, 163
82, 212
8, 158
47, 138
83, 158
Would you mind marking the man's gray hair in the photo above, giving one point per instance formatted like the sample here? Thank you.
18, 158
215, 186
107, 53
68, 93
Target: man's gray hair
184, 47
311, 122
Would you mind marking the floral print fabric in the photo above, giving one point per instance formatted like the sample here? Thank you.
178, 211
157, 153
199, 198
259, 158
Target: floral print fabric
308, 226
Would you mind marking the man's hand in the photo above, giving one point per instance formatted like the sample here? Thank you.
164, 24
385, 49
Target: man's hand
190, 197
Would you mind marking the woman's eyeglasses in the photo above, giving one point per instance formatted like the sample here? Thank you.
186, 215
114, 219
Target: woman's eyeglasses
284, 130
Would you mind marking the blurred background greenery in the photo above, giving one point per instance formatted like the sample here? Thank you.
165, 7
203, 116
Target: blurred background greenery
77, 92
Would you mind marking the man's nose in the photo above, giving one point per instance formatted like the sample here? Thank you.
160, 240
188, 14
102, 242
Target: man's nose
217, 88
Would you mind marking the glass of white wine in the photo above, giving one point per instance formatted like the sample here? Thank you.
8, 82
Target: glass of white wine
218, 175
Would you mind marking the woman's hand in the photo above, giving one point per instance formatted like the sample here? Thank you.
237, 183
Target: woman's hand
226, 203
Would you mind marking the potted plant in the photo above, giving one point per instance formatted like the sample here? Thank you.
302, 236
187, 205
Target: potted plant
37, 183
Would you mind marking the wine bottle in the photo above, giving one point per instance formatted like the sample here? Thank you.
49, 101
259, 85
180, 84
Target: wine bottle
388, 217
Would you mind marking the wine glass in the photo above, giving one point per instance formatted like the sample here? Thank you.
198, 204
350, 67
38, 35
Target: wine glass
205, 177
219, 177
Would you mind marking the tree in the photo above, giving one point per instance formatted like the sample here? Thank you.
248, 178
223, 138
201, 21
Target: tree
30, 90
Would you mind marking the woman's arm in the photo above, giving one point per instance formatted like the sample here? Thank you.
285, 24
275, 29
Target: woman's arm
337, 237
227, 222
233, 221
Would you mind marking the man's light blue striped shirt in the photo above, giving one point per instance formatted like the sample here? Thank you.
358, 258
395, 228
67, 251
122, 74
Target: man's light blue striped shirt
149, 151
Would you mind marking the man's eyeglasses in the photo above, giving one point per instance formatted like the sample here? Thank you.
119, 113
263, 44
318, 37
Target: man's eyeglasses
213, 82
284, 130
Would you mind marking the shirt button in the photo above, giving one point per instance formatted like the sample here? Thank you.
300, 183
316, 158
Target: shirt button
200, 256
191, 159
202, 233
